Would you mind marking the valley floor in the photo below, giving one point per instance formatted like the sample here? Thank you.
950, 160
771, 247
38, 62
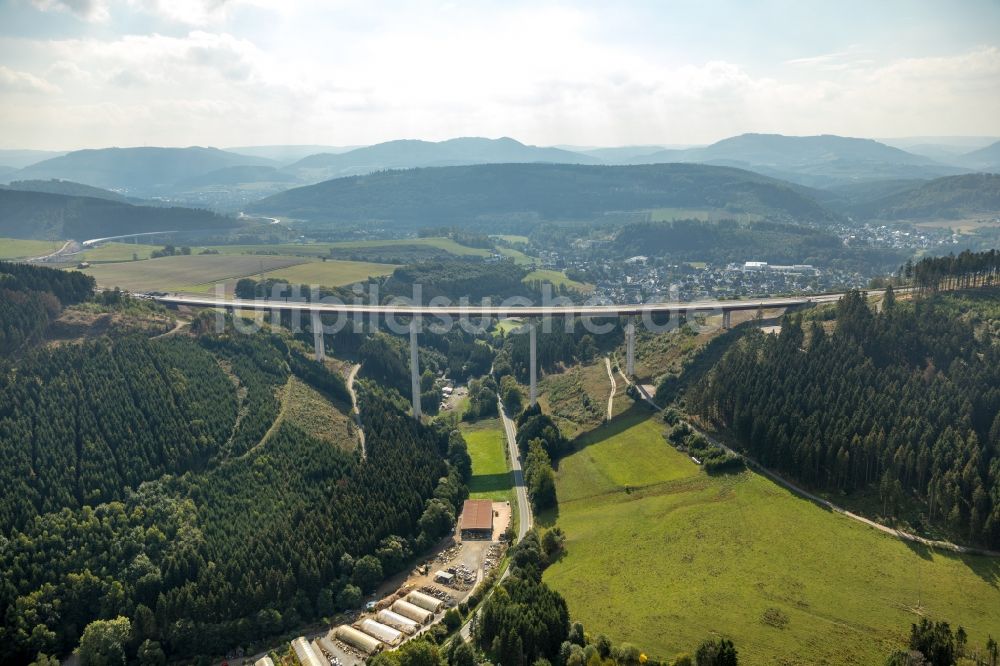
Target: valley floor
661, 555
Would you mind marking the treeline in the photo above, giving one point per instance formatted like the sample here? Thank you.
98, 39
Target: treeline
968, 269
540, 442
906, 401
459, 278
556, 346
933, 643
31, 296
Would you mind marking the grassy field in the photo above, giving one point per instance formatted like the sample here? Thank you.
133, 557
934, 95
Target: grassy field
194, 273
15, 248
117, 252
511, 238
200, 273
509, 324
490, 476
558, 278
662, 555
703, 214
330, 273
321, 249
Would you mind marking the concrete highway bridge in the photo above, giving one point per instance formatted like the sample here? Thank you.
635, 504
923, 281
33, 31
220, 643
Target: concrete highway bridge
483, 312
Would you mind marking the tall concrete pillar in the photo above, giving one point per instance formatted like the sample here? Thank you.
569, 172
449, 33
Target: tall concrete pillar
318, 342
727, 319
630, 346
414, 368
533, 371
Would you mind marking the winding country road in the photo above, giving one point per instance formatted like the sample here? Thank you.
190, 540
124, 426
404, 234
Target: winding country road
525, 518
355, 412
614, 387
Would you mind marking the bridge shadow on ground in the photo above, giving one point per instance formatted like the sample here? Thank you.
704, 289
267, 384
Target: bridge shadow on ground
492, 483
637, 413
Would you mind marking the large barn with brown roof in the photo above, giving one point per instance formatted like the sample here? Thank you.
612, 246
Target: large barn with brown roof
477, 519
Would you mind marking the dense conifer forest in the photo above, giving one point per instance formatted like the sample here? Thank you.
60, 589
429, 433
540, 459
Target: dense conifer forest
151, 479
905, 401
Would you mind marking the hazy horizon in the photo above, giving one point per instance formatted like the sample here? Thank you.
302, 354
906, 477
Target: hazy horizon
92, 73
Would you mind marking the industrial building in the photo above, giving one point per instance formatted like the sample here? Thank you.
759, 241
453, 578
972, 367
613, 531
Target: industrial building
415, 613
477, 519
384, 633
306, 654
397, 621
425, 601
358, 640
264, 661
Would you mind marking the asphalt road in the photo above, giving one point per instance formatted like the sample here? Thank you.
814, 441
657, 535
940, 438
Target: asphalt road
525, 518
523, 507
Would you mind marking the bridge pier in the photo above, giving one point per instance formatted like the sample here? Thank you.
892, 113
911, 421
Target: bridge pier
318, 342
727, 319
533, 370
414, 368
630, 346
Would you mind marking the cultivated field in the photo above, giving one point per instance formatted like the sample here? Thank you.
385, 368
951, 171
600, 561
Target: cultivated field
14, 248
558, 278
490, 476
330, 273
194, 273
116, 252
200, 273
662, 555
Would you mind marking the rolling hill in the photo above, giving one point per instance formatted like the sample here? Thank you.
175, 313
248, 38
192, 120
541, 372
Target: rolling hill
18, 159
953, 197
412, 153
43, 215
815, 161
985, 158
137, 171
483, 194
67, 187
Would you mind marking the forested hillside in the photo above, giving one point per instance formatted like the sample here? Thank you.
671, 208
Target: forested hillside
30, 297
44, 215
155, 479
905, 402
478, 196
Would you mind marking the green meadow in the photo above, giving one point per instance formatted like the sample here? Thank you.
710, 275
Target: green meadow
662, 555
491, 478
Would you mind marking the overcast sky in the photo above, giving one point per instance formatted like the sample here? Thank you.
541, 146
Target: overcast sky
92, 73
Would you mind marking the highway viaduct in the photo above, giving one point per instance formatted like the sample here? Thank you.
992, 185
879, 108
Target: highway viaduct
467, 312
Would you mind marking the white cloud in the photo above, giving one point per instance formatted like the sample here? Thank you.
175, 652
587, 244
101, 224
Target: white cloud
362, 73
23, 82
88, 10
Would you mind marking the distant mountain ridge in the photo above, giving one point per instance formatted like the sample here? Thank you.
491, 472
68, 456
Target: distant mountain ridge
477, 194
137, 171
411, 153
984, 158
814, 161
